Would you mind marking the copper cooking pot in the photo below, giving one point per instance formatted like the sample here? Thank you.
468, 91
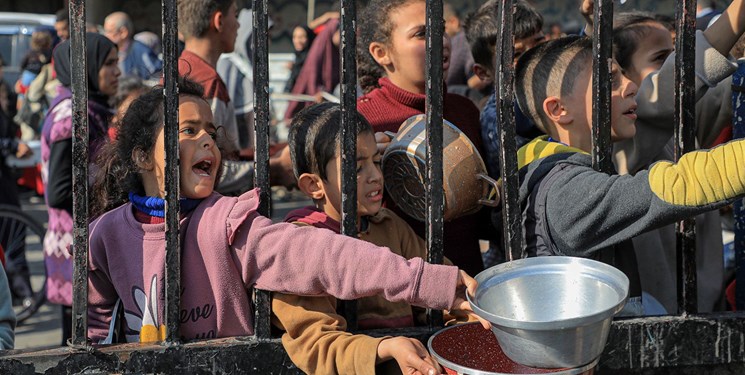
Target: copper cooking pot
466, 184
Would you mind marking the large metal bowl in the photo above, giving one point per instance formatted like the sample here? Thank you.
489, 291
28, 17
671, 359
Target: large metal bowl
468, 349
551, 312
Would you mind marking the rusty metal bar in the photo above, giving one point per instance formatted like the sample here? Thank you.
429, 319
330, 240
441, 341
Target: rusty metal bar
435, 87
79, 172
602, 43
348, 65
503, 86
685, 141
262, 299
172, 289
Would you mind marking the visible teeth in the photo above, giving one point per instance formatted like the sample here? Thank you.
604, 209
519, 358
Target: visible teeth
374, 193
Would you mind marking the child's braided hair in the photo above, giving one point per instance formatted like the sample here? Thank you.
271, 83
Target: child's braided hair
375, 26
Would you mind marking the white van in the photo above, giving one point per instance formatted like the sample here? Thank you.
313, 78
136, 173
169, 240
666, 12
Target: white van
15, 39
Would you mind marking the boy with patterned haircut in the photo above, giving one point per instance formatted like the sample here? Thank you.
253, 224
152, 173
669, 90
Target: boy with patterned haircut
571, 209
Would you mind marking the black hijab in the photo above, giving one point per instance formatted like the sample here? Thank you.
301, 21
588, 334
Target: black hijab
299, 57
97, 48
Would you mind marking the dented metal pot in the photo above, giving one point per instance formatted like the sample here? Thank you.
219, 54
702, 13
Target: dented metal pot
467, 186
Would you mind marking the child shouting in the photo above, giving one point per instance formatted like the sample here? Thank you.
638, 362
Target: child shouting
315, 337
228, 248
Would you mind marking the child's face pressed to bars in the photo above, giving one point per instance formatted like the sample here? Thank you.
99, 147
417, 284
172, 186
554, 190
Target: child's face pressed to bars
403, 58
199, 156
577, 107
651, 52
369, 180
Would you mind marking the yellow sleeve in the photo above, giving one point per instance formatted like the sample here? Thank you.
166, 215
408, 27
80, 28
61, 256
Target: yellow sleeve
316, 340
702, 177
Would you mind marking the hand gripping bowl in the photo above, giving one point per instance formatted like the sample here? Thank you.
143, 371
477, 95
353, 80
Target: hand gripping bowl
466, 184
552, 311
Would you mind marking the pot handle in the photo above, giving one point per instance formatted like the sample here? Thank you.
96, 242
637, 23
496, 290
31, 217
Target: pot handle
493, 198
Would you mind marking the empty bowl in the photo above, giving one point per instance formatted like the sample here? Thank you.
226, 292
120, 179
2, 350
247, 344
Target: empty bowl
551, 312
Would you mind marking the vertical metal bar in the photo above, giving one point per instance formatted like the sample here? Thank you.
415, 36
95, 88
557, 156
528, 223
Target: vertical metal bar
685, 139
601, 85
435, 196
503, 86
738, 122
262, 300
311, 13
79, 171
349, 135
169, 17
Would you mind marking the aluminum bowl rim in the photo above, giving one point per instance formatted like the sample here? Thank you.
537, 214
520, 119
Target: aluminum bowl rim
467, 370
568, 323
451, 126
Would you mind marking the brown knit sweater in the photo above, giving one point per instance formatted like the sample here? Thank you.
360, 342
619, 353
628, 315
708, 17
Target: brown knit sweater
315, 337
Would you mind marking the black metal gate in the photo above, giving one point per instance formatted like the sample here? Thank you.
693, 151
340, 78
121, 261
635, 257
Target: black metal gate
684, 344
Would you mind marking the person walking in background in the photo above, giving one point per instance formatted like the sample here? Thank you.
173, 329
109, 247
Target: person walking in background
320, 71
56, 156
302, 39
32, 65
460, 78
135, 58
236, 70
16, 265
62, 24
706, 13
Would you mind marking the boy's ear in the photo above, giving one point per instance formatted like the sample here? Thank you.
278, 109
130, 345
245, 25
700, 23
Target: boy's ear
482, 72
555, 111
216, 20
142, 160
311, 185
379, 53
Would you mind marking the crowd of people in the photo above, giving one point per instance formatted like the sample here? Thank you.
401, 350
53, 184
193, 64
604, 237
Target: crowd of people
625, 218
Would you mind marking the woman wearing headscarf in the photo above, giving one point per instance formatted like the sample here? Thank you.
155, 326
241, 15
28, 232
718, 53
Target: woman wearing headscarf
302, 38
320, 71
56, 156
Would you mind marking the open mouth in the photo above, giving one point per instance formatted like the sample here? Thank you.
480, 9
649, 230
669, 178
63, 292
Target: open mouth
631, 112
203, 168
375, 196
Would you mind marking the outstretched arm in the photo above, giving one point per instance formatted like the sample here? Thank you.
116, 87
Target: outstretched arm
614, 208
727, 29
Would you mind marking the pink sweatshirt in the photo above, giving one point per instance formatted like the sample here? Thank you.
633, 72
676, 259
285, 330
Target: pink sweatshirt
227, 248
